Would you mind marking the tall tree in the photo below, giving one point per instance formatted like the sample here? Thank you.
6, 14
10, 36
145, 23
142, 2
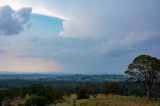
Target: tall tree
145, 68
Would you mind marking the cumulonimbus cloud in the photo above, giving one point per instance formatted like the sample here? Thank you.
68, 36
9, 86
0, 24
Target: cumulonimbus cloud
134, 38
11, 21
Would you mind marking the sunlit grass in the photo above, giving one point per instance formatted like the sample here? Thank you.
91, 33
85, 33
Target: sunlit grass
110, 100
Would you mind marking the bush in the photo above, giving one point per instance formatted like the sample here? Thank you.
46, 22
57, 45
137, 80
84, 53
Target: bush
21, 104
83, 93
50, 94
8, 105
111, 87
36, 101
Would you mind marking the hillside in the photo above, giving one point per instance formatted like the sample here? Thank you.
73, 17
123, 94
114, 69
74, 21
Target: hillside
110, 100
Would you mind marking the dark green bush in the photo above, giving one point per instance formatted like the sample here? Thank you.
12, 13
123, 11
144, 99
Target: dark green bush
36, 101
82, 93
8, 104
21, 104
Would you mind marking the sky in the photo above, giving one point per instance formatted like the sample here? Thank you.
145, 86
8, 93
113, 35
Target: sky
77, 36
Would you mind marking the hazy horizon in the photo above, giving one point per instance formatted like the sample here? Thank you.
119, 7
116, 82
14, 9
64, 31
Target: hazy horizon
76, 37
56, 73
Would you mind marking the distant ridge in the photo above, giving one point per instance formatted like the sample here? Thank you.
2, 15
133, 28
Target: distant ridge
63, 77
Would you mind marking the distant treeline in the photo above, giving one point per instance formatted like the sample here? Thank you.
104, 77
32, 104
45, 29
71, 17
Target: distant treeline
123, 87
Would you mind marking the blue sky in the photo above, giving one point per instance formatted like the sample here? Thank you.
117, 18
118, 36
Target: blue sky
77, 36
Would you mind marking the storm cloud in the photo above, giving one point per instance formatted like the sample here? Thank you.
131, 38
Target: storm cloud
11, 21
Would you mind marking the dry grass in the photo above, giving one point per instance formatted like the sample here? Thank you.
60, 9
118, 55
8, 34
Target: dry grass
110, 100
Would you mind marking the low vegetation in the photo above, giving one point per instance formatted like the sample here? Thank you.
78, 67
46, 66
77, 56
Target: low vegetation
35, 95
110, 100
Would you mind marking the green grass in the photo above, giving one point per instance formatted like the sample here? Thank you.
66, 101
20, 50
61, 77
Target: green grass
110, 100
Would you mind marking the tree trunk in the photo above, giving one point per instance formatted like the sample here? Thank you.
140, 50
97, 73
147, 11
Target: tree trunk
149, 93
149, 84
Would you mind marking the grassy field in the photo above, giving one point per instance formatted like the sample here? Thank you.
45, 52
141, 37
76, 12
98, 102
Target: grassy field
110, 100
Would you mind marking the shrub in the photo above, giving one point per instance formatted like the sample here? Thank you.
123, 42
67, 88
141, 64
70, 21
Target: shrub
83, 93
36, 101
111, 87
8, 104
20, 104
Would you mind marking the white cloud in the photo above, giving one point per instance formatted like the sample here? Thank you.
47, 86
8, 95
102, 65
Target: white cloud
106, 19
82, 29
39, 7
92, 18
127, 43
12, 22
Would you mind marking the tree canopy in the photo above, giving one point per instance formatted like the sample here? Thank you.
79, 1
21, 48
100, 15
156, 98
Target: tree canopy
145, 68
